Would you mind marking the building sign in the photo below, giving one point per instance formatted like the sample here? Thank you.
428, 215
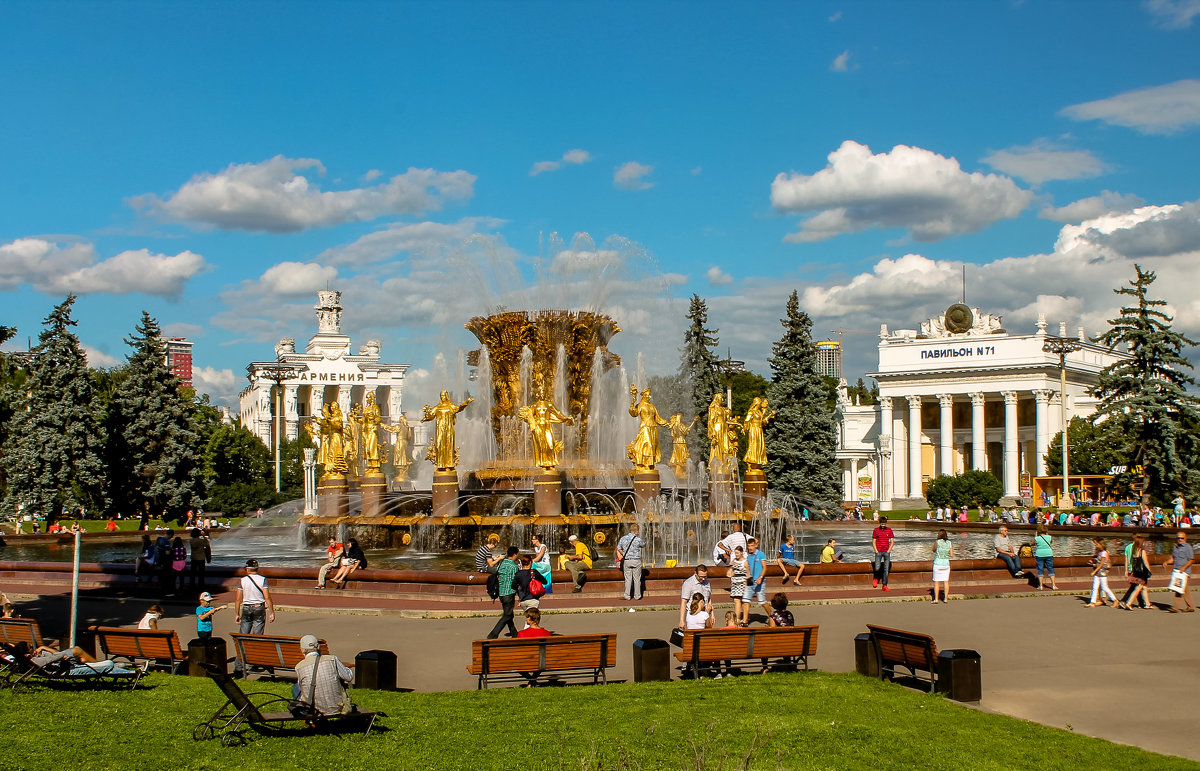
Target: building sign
961, 351
332, 377
1026, 485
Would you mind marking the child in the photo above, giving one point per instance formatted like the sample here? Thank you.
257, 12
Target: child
204, 613
738, 572
730, 620
787, 556
150, 620
1100, 576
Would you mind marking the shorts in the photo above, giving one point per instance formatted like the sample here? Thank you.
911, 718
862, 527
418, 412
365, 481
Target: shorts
790, 563
750, 594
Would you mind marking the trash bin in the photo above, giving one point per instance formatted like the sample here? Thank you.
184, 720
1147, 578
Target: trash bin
211, 651
864, 656
958, 675
375, 670
651, 661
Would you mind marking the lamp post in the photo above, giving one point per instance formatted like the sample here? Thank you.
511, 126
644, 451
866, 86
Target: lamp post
277, 372
1062, 346
730, 367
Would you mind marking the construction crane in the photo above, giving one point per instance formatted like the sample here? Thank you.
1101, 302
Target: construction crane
843, 332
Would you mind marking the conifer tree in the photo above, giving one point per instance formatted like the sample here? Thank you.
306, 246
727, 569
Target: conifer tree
801, 441
52, 454
1145, 396
697, 367
154, 458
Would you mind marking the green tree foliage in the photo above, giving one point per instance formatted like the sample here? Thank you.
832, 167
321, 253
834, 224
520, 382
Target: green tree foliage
236, 499
12, 381
697, 367
1094, 449
972, 488
802, 439
865, 396
746, 386
291, 457
1144, 397
52, 455
154, 449
234, 454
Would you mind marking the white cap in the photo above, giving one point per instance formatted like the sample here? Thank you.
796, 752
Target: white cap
309, 643
572, 538
205, 597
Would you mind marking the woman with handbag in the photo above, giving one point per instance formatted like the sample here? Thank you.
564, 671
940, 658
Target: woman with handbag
541, 562
1043, 556
1137, 569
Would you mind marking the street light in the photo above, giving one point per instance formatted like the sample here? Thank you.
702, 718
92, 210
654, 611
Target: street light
730, 367
1062, 346
277, 372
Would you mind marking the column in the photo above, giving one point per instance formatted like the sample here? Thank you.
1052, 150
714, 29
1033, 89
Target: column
1042, 432
884, 478
291, 411
978, 435
946, 446
1011, 458
914, 447
848, 480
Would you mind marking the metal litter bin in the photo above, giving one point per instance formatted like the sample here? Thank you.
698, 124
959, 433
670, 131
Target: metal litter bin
651, 661
958, 675
864, 656
211, 652
375, 670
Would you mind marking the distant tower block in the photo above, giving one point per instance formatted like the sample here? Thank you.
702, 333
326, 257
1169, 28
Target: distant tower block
179, 359
829, 358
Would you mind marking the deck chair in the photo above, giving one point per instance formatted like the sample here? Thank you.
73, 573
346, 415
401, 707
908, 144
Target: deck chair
25, 671
240, 710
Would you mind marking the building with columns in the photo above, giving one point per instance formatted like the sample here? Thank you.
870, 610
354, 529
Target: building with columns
326, 371
961, 393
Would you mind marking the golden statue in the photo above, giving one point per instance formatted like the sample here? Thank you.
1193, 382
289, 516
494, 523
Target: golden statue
722, 435
402, 452
644, 450
370, 421
679, 449
442, 451
333, 440
541, 417
756, 417
312, 427
353, 439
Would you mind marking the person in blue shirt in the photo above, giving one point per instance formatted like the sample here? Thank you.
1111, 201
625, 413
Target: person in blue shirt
755, 577
787, 558
204, 613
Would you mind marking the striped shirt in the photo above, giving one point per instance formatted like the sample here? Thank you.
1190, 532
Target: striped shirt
481, 559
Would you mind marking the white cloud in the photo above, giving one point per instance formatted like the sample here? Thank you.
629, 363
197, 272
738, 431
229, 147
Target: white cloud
274, 196
1155, 110
1043, 161
99, 359
1172, 14
697, 171
1149, 231
841, 62
837, 16
372, 175
927, 194
424, 238
297, 278
74, 267
1095, 206
183, 329
570, 157
718, 277
631, 176
221, 385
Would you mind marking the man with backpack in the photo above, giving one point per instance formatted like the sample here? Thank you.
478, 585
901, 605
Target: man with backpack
629, 557
576, 564
506, 574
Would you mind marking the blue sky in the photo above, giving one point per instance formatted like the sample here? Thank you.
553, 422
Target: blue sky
217, 163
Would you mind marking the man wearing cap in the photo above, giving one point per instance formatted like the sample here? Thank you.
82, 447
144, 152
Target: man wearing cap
204, 613
321, 680
576, 564
253, 604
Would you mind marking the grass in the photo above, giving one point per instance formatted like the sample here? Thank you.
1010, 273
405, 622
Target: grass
777, 721
101, 525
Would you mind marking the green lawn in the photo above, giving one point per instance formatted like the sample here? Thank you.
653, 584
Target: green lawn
101, 525
777, 721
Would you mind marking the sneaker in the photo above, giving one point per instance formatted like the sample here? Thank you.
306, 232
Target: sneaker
875, 582
1173, 610
886, 588
576, 590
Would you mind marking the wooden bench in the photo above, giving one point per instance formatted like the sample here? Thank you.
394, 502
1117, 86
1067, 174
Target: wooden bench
747, 645
157, 647
526, 659
914, 651
269, 651
18, 630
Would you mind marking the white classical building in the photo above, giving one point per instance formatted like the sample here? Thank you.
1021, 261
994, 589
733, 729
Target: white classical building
326, 371
961, 393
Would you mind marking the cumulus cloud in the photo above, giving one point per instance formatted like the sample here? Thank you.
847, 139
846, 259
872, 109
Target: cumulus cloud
221, 385
569, 158
183, 329
841, 62
1043, 161
927, 194
1149, 231
632, 176
1095, 206
75, 267
1155, 110
99, 359
423, 238
297, 278
718, 277
1172, 14
276, 197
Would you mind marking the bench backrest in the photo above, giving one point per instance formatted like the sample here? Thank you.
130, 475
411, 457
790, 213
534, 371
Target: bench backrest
911, 649
537, 654
265, 650
746, 643
156, 644
236, 696
15, 630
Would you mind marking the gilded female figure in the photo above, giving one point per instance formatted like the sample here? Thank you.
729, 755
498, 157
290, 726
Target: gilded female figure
333, 443
756, 417
402, 453
722, 434
371, 421
541, 417
644, 450
442, 451
679, 449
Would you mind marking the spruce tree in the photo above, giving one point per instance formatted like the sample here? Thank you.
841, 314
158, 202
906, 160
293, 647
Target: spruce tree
698, 368
1145, 396
154, 458
52, 454
802, 439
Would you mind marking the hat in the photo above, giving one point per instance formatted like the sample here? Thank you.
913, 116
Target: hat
205, 597
572, 538
309, 643
252, 563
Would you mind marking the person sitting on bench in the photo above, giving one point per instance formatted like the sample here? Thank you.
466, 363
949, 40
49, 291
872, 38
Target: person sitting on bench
321, 680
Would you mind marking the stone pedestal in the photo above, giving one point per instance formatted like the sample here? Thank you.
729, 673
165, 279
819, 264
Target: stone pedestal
720, 493
373, 486
445, 494
331, 496
754, 488
646, 487
547, 494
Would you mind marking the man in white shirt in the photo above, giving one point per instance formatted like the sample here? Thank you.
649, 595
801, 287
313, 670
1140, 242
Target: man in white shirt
732, 541
697, 583
253, 604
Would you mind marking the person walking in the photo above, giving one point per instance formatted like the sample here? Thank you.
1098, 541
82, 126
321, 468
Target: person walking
629, 555
882, 540
201, 552
506, 571
943, 551
1100, 588
1182, 557
1137, 570
1043, 555
756, 577
253, 607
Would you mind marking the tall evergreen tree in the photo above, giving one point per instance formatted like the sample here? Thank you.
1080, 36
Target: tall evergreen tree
802, 439
52, 455
698, 367
1145, 395
154, 461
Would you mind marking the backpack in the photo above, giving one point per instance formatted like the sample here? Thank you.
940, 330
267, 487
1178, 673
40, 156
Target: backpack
592, 555
493, 586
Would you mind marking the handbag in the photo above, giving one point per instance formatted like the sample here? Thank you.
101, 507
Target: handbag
1179, 582
536, 588
306, 710
1140, 570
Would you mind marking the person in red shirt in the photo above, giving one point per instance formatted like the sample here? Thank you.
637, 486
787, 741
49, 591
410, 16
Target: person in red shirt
112, 526
882, 540
332, 561
533, 625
